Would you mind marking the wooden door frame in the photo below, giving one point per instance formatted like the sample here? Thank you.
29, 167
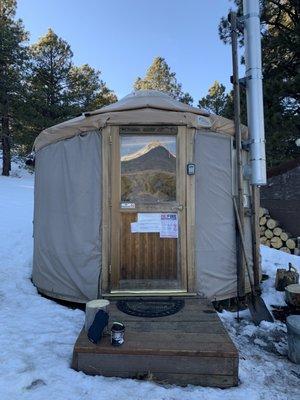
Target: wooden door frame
186, 138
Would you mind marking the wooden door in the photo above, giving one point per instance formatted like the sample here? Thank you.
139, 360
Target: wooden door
148, 223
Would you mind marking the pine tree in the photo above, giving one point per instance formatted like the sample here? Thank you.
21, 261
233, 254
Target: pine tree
215, 101
56, 90
13, 55
280, 28
86, 91
51, 64
159, 77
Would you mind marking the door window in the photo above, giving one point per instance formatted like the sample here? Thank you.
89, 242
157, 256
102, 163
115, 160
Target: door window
148, 168
148, 217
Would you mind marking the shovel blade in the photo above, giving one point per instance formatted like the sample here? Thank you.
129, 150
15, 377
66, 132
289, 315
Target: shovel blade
259, 311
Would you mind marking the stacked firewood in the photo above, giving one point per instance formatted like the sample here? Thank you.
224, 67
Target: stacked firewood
272, 235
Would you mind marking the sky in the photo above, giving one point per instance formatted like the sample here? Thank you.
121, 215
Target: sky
121, 37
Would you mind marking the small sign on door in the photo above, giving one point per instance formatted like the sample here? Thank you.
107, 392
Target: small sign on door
127, 205
169, 225
166, 224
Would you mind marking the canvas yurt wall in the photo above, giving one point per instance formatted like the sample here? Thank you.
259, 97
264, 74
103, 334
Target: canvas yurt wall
215, 244
67, 217
71, 172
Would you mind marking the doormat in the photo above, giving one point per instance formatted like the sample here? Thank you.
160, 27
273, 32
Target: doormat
150, 308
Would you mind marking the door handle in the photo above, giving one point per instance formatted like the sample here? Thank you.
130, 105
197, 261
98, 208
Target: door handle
179, 208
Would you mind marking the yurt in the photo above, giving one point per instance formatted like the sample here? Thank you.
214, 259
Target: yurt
136, 199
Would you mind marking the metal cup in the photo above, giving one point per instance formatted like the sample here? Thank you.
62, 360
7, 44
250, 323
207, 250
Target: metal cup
117, 334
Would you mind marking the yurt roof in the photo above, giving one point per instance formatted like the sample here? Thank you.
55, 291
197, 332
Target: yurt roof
148, 99
144, 107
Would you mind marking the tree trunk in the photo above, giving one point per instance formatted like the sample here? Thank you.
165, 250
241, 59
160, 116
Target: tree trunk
285, 249
268, 233
276, 242
277, 231
271, 223
284, 236
263, 240
255, 236
5, 139
262, 212
262, 221
290, 243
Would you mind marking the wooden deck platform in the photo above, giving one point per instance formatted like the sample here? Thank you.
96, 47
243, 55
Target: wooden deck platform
190, 347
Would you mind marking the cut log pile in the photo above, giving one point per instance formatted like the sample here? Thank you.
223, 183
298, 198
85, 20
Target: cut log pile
272, 234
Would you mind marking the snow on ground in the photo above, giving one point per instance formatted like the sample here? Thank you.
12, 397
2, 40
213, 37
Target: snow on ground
264, 369
37, 335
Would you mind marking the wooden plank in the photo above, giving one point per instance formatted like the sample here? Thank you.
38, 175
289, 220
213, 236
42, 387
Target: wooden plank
190, 303
204, 327
169, 339
159, 207
166, 364
255, 191
150, 130
181, 198
221, 381
182, 315
159, 343
179, 317
147, 285
239, 151
141, 253
74, 362
106, 210
115, 200
190, 212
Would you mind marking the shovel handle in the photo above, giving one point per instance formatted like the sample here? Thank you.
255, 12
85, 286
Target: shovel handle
243, 242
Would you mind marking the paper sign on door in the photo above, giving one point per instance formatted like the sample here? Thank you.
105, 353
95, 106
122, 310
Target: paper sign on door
166, 224
169, 225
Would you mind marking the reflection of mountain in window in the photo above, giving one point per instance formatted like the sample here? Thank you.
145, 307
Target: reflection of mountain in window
148, 173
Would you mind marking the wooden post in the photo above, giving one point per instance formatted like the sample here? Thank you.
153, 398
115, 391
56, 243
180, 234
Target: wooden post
5, 138
255, 237
238, 146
